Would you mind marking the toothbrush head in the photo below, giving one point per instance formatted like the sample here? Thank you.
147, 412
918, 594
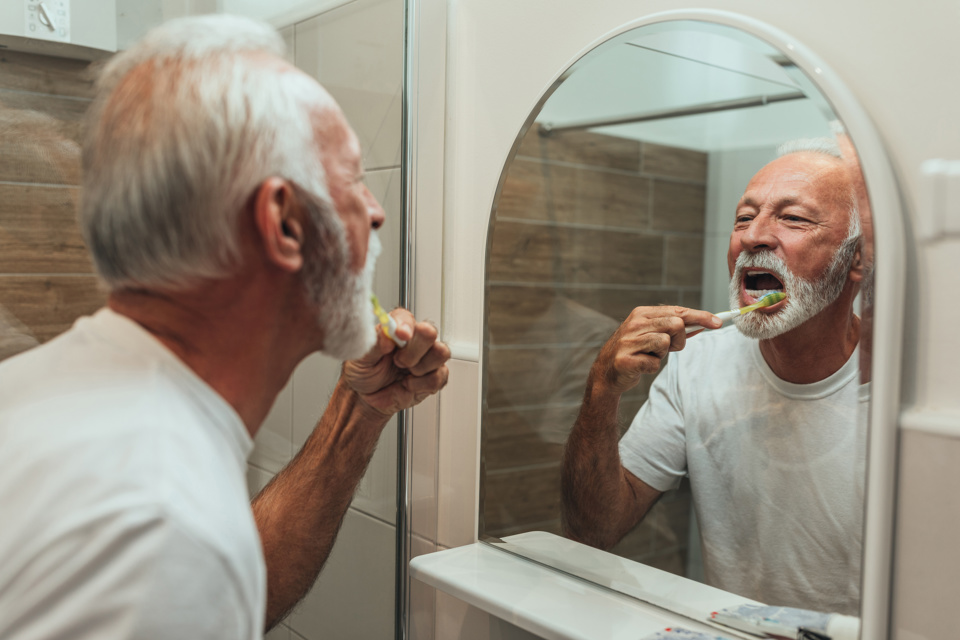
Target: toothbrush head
771, 298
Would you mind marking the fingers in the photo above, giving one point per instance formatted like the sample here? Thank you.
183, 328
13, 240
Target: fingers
423, 353
408, 392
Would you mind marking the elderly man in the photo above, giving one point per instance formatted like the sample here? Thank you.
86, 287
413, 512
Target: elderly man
764, 420
225, 211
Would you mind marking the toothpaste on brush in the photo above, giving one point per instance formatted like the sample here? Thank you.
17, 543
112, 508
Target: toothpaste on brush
386, 323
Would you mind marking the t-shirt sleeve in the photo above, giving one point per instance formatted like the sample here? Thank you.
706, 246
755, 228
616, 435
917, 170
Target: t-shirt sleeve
654, 447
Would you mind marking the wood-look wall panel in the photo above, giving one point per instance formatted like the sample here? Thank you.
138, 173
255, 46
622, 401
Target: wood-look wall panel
678, 206
547, 315
543, 376
521, 496
684, 261
38, 231
45, 74
673, 162
582, 147
66, 112
526, 437
555, 193
48, 305
539, 253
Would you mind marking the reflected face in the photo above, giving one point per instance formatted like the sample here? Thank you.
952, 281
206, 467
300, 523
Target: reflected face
791, 221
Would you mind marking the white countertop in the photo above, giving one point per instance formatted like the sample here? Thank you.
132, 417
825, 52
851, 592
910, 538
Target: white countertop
558, 606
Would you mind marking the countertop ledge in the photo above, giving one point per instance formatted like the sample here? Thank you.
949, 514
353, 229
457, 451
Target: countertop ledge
558, 606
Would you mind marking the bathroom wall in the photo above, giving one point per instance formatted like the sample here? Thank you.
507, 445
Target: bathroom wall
588, 226
46, 278
497, 67
355, 51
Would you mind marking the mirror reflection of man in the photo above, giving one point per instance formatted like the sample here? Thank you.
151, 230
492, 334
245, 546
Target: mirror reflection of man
764, 418
225, 210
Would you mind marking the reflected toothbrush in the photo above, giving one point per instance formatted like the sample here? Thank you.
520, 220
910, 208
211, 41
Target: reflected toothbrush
385, 322
769, 299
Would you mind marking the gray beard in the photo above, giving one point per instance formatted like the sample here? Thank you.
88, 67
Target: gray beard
805, 298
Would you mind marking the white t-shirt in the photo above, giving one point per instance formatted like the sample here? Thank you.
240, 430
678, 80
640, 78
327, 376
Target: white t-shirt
776, 469
123, 502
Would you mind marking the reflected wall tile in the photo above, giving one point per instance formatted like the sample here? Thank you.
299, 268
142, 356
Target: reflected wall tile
673, 162
280, 632
48, 305
684, 261
581, 147
45, 74
547, 315
34, 149
555, 193
678, 206
526, 436
457, 517
521, 497
354, 596
555, 376
355, 52
540, 253
38, 231
273, 446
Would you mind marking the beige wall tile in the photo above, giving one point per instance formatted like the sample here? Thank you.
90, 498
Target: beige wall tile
48, 305
672, 162
273, 445
354, 597
45, 74
422, 613
678, 206
38, 231
554, 193
257, 479
457, 514
684, 261
539, 253
926, 554
457, 620
582, 147
355, 51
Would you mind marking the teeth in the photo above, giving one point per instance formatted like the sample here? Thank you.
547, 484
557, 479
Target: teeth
757, 293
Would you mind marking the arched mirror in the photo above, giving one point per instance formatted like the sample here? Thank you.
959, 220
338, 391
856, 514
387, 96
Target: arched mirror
659, 160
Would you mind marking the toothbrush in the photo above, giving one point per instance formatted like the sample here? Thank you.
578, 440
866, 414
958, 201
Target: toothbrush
386, 322
765, 301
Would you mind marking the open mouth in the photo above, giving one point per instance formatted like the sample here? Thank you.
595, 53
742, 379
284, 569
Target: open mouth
757, 283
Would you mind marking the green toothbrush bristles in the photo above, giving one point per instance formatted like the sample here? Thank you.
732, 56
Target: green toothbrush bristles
771, 298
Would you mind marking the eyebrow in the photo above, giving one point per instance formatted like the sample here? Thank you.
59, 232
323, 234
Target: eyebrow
788, 201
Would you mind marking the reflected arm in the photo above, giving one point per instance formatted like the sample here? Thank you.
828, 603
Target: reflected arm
602, 501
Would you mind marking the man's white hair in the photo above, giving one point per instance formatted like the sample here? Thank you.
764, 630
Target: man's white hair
185, 126
827, 147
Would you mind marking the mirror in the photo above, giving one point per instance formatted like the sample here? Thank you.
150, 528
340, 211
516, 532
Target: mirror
626, 189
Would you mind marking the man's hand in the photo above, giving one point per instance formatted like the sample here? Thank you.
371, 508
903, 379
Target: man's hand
642, 342
389, 379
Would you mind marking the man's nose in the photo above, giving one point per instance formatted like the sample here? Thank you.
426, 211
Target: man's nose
374, 210
760, 234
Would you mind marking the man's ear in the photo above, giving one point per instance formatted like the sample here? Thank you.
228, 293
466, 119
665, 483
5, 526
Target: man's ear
856, 267
276, 216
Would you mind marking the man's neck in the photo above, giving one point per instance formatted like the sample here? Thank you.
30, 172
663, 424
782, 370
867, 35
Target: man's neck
816, 349
226, 338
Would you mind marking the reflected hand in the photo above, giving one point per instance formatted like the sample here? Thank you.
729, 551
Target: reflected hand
642, 342
389, 379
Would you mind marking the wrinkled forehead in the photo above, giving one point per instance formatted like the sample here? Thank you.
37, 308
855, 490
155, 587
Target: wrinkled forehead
802, 177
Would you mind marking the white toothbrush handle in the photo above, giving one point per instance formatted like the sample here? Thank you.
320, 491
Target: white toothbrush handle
391, 332
723, 315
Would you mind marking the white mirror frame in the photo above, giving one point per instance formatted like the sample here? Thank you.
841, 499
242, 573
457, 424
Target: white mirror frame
889, 220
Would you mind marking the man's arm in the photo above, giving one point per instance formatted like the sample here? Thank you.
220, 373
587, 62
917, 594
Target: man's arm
299, 513
602, 501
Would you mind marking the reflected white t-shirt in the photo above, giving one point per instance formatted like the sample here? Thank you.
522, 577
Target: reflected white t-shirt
776, 469
124, 505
